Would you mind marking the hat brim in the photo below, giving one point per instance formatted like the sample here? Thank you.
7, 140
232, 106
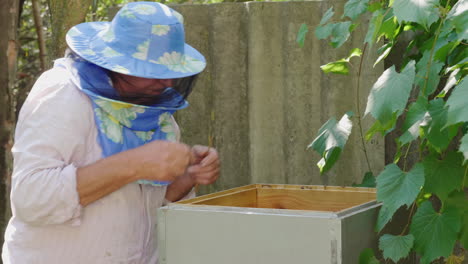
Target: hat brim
83, 39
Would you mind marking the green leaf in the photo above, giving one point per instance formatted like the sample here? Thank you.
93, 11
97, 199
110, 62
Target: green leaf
301, 35
339, 67
396, 187
459, 201
354, 8
331, 140
451, 82
457, 106
385, 215
327, 16
464, 146
324, 31
417, 114
435, 233
388, 28
390, 93
368, 181
374, 6
386, 50
382, 128
438, 135
367, 257
422, 12
354, 53
340, 33
458, 17
443, 176
429, 70
374, 27
396, 247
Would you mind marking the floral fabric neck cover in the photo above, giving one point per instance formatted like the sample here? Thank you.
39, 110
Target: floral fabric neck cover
121, 125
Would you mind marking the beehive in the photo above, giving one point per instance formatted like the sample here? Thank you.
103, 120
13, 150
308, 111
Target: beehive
271, 224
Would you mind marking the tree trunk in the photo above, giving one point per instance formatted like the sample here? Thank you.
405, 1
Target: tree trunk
9, 13
64, 14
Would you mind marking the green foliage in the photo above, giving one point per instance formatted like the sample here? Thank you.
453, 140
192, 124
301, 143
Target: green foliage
396, 247
396, 188
389, 94
435, 233
428, 96
302, 34
367, 257
368, 181
331, 140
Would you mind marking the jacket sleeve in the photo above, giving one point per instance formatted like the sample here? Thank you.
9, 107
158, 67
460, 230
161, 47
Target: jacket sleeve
51, 132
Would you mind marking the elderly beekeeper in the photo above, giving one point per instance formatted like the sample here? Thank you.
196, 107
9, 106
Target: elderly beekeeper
96, 146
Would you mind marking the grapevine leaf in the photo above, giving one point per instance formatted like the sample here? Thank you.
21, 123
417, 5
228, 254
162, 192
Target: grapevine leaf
435, 233
464, 147
301, 35
354, 8
382, 128
426, 79
451, 82
443, 176
374, 27
327, 16
368, 181
457, 106
396, 187
385, 215
458, 16
388, 28
438, 135
390, 93
423, 12
324, 31
459, 201
331, 140
387, 48
396, 247
340, 33
339, 67
417, 115
367, 257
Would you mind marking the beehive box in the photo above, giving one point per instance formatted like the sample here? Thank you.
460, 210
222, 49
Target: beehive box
270, 224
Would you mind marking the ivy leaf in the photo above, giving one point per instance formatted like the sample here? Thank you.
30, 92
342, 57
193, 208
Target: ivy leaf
443, 176
396, 247
301, 35
390, 93
464, 147
432, 75
396, 187
435, 233
438, 135
374, 27
354, 8
385, 215
417, 114
458, 17
368, 181
331, 140
423, 12
367, 257
327, 16
457, 106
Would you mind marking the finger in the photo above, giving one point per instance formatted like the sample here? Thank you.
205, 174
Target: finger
207, 178
211, 158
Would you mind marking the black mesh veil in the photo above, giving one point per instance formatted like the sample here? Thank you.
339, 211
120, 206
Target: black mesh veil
185, 85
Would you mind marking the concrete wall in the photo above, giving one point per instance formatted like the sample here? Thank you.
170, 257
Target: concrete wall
262, 98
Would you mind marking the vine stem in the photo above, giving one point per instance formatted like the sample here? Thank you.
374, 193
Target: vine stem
429, 63
409, 219
358, 107
406, 155
464, 177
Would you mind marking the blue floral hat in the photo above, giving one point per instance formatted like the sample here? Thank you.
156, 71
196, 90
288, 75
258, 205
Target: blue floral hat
145, 39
